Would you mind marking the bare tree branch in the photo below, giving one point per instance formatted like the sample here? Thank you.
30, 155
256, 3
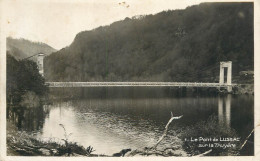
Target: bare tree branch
246, 139
166, 129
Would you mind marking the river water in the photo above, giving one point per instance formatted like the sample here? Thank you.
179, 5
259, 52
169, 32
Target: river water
112, 124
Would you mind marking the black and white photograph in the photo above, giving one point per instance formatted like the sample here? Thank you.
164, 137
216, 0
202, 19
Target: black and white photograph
128, 78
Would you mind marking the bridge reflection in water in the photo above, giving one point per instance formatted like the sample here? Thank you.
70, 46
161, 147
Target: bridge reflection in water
224, 110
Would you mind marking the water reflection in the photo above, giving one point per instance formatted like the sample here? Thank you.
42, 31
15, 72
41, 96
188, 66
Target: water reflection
224, 110
28, 119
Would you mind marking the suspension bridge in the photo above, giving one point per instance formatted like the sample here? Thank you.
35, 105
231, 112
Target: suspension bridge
138, 84
224, 81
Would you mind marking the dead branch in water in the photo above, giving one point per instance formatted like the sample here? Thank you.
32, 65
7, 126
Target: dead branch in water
166, 129
152, 150
147, 151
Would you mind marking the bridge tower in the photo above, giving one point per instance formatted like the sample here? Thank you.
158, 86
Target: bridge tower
40, 58
228, 66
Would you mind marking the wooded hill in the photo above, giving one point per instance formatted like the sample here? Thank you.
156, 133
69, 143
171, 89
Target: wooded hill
173, 45
22, 48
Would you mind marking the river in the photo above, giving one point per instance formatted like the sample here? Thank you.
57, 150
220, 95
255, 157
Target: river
110, 124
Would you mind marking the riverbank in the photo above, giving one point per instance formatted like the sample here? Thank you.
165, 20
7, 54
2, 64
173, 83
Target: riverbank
244, 89
20, 143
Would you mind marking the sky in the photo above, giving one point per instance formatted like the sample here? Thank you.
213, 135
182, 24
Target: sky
57, 22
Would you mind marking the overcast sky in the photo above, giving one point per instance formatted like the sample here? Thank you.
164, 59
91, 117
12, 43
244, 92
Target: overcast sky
57, 23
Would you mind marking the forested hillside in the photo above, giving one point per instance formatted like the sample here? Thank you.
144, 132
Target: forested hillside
178, 45
22, 48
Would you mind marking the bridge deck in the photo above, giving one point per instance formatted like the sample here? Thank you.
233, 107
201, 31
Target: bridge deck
139, 84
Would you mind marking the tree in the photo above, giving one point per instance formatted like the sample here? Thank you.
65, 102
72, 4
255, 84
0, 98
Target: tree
23, 78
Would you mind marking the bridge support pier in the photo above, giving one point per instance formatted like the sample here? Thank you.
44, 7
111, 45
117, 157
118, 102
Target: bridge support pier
229, 89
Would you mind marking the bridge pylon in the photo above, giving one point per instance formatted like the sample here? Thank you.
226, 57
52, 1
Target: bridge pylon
228, 81
40, 58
